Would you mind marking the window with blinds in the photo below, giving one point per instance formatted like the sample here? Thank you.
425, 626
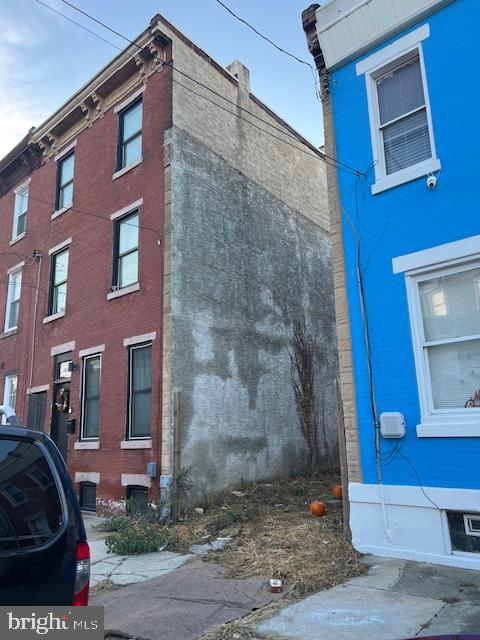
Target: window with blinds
451, 329
403, 116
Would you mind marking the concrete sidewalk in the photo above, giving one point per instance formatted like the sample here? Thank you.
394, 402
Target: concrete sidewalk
395, 599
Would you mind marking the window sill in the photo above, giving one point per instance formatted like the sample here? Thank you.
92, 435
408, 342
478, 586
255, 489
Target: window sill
59, 212
53, 317
17, 238
406, 175
120, 172
86, 444
451, 429
136, 444
9, 332
123, 292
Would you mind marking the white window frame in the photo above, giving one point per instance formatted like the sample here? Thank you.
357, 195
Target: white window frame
10, 290
84, 438
7, 392
373, 67
20, 193
438, 423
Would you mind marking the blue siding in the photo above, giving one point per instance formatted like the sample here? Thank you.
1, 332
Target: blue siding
402, 220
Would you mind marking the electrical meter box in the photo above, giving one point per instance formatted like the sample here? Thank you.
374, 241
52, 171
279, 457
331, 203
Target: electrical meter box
392, 424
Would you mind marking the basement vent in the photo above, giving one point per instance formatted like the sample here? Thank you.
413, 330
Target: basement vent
464, 531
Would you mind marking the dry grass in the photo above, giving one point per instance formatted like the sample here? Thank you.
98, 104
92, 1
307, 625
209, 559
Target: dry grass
273, 534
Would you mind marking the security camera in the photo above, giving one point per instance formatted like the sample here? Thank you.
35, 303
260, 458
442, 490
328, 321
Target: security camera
431, 182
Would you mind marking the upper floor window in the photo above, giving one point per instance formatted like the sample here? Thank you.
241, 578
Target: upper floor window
64, 196
125, 255
400, 120
140, 391
58, 282
91, 397
130, 136
20, 212
13, 299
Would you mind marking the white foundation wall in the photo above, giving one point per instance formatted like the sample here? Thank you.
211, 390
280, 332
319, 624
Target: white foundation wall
405, 524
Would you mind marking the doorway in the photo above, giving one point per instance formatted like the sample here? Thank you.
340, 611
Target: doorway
62, 373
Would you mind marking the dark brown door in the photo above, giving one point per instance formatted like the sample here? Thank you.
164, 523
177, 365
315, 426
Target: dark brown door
37, 403
61, 401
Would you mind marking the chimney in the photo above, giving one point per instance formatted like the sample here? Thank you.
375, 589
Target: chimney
242, 74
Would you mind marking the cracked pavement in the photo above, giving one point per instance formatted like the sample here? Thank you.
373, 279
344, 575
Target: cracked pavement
395, 599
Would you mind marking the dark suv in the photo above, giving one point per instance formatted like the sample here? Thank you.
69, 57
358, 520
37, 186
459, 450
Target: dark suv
44, 555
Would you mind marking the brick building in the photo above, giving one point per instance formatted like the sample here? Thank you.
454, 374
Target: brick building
156, 249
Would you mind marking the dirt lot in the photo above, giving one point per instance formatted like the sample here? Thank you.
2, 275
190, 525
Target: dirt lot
274, 534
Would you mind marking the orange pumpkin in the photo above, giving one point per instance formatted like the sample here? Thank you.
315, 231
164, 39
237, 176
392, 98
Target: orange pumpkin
337, 491
318, 508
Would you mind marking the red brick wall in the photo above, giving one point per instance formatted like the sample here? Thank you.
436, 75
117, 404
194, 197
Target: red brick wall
90, 319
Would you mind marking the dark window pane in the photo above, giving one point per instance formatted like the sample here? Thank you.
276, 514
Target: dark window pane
141, 383
21, 223
139, 496
91, 397
88, 496
30, 507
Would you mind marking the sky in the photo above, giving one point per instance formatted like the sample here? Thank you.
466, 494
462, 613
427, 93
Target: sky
44, 58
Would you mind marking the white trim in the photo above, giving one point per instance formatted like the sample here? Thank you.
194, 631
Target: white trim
120, 172
16, 267
54, 316
87, 476
135, 479
436, 255
17, 238
91, 351
136, 444
146, 337
394, 50
408, 525
128, 209
131, 98
118, 293
59, 247
62, 348
80, 445
59, 212
22, 186
373, 67
65, 151
39, 389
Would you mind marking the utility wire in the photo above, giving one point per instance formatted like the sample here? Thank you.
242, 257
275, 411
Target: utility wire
320, 155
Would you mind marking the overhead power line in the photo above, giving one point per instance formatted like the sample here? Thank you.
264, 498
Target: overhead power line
327, 159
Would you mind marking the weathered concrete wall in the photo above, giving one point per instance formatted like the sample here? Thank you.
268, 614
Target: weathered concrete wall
244, 265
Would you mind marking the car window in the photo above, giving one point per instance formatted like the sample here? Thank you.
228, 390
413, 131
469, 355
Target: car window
30, 506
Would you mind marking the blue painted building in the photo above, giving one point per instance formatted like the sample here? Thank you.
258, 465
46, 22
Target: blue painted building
401, 94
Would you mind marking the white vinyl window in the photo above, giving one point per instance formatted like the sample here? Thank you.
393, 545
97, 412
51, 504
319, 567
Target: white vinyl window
400, 121
13, 299
10, 392
446, 333
20, 212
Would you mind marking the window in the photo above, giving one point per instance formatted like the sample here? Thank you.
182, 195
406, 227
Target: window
140, 390
91, 397
20, 212
446, 331
30, 501
37, 404
400, 119
10, 392
130, 136
88, 496
138, 498
58, 282
13, 299
125, 258
64, 196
